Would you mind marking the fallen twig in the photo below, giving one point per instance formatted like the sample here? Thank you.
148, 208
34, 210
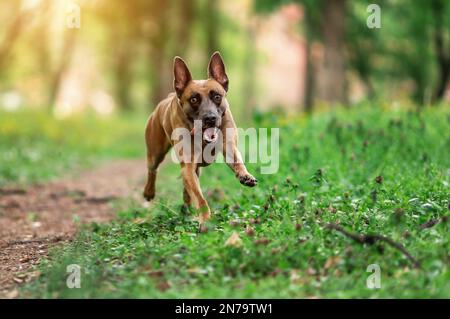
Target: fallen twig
371, 239
96, 200
430, 223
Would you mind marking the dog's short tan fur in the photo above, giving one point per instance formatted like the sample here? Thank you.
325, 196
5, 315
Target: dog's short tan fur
193, 100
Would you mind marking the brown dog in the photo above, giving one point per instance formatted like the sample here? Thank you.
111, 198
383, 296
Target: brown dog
194, 100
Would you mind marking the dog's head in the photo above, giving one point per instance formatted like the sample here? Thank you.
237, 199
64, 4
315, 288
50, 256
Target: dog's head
203, 100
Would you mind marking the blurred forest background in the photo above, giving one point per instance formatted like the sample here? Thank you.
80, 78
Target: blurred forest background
364, 138
293, 55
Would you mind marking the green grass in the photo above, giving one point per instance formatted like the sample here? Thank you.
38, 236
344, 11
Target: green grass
35, 146
329, 166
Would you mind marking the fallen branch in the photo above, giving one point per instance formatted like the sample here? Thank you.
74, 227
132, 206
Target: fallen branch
96, 200
372, 239
430, 224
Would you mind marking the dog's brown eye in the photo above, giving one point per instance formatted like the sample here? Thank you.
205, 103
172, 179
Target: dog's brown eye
193, 100
217, 98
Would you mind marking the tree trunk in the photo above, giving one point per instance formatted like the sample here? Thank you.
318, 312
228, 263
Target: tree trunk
159, 66
123, 76
309, 83
443, 58
185, 19
212, 26
310, 27
66, 57
160, 78
332, 81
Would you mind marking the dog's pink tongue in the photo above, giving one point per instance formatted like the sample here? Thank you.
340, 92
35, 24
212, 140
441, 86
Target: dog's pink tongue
211, 134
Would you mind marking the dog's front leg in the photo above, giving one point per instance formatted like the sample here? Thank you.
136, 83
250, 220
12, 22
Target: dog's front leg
192, 187
234, 160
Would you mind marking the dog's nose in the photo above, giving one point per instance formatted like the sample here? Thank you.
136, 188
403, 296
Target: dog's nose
210, 119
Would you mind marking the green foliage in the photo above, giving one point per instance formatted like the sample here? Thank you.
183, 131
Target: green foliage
35, 146
330, 168
404, 49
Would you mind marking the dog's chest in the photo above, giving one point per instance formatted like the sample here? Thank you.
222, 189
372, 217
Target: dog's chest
206, 154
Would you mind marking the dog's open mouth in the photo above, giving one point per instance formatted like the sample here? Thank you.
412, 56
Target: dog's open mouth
210, 134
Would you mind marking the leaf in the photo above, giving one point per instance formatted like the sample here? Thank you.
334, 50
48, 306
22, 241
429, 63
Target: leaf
234, 240
198, 271
295, 277
332, 262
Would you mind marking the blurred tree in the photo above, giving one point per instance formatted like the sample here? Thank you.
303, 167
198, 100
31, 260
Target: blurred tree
441, 27
413, 47
123, 76
212, 26
185, 14
324, 22
171, 35
408, 57
41, 48
363, 44
159, 42
155, 33
311, 32
122, 21
332, 82
12, 30
65, 58
42, 45
416, 46
162, 29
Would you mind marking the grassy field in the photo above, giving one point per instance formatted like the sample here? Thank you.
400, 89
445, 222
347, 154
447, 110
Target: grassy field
35, 146
370, 171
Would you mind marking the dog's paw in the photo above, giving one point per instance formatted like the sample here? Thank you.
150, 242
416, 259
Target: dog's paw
149, 195
248, 180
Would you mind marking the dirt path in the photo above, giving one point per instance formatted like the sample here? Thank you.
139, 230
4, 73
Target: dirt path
40, 216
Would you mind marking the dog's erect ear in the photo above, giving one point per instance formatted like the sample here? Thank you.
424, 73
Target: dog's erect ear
216, 70
181, 74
